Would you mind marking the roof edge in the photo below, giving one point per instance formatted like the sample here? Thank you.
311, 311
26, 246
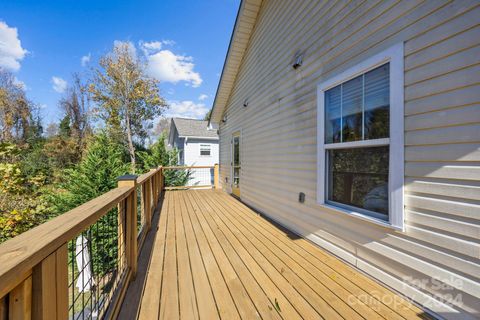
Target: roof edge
245, 20
200, 137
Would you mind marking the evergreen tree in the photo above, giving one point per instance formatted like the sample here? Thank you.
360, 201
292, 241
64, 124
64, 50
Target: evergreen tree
64, 127
95, 175
158, 155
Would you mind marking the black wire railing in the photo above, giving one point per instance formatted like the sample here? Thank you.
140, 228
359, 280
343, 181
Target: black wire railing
78, 265
97, 262
184, 177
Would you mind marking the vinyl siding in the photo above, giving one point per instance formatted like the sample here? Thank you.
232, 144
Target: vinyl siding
442, 135
192, 152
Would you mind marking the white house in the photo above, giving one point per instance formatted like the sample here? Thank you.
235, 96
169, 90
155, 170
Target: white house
197, 146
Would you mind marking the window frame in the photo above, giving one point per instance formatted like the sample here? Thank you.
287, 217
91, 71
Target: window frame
395, 56
205, 145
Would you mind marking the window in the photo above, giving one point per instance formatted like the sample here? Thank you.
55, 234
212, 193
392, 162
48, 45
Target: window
205, 149
360, 140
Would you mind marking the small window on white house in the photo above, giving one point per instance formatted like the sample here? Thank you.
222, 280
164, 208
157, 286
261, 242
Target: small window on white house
205, 149
360, 139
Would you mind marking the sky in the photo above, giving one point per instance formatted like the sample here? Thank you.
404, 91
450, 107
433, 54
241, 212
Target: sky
185, 43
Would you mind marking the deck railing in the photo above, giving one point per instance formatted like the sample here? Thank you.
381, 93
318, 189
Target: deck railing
78, 265
188, 177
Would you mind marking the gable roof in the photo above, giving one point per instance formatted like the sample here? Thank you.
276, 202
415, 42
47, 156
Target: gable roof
193, 128
242, 31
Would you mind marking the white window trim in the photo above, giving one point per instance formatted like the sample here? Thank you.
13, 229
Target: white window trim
394, 55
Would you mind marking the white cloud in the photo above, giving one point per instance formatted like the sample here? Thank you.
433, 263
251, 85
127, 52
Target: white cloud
186, 109
202, 97
11, 51
168, 42
166, 66
85, 59
59, 84
163, 64
153, 45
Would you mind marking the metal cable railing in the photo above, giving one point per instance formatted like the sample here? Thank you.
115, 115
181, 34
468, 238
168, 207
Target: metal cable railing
97, 262
185, 177
78, 265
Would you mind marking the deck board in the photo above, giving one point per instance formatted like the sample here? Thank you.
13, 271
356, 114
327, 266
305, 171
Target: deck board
213, 257
169, 302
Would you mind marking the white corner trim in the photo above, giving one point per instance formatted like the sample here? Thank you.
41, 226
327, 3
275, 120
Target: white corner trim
394, 55
213, 126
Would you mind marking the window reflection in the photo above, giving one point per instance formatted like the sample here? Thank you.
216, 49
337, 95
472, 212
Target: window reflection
359, 109
377, 103
236, 177
333, 115
236, 151
359, 177
352, 96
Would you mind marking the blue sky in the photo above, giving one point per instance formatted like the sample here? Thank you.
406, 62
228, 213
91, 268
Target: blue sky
44, 42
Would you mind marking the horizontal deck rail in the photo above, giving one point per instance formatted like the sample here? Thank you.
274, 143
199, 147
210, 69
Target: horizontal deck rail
38, 269
191, 177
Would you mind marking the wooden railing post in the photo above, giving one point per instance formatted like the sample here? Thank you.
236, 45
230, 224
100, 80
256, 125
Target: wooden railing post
131, 246
215, 176
154, 187
162, 180
20, 301
4, 308
50, 286
147, 203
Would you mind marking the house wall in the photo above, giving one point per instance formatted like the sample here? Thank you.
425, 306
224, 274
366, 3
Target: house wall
193, 158
442, 136
192, 152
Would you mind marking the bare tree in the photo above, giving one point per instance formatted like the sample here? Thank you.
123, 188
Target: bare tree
15, 109
52, 130
76, 106
163, 125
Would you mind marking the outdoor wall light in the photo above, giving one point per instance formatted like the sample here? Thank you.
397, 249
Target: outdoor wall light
224, 119
301, 197
245, 103
298, 61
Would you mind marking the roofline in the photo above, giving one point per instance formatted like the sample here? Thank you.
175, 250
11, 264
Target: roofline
200, 137
254, 7
188, 119
225, 62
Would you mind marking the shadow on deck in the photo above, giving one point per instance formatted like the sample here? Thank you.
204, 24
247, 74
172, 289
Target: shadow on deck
209, 256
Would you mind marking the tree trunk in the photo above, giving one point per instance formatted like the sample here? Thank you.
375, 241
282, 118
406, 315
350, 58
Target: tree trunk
131, 147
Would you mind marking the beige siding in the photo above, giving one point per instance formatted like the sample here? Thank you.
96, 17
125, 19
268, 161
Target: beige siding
442, 135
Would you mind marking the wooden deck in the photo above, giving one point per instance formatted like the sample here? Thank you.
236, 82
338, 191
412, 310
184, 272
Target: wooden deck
212, 257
